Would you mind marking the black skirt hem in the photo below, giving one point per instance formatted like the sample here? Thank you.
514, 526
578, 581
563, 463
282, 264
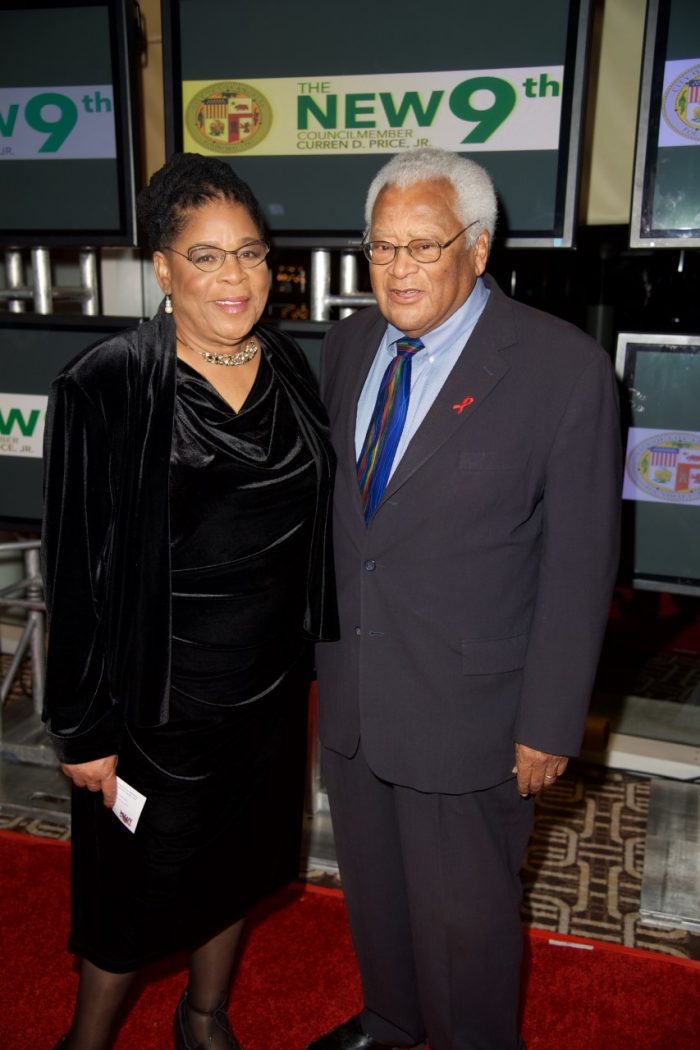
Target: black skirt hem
84, 951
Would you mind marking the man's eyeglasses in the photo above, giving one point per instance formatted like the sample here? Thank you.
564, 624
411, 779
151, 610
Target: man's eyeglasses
209, 259
422, 249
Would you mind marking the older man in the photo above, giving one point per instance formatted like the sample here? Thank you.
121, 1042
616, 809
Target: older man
476, 522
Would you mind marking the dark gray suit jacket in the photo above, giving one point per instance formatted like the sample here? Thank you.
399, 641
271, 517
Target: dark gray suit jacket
473, 607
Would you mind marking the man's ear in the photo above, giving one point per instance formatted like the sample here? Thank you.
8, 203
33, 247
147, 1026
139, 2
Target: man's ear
481, 252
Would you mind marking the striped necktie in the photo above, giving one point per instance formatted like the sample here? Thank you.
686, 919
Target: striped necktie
385, 426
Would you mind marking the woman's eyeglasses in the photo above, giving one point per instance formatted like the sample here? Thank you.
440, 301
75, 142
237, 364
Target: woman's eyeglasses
207, 258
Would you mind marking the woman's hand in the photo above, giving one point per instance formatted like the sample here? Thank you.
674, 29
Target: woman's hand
98, 775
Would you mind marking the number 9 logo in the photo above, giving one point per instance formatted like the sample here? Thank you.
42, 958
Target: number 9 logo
56, 130
489, 119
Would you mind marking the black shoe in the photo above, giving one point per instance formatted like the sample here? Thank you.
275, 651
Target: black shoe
183, 1036
347, 1036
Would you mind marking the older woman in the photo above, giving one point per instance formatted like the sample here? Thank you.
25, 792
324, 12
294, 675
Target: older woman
186, 552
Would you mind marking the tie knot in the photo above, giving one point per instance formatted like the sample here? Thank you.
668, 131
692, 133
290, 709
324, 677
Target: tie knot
408, 346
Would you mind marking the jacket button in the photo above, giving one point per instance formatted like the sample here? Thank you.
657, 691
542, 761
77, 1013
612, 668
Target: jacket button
370, 565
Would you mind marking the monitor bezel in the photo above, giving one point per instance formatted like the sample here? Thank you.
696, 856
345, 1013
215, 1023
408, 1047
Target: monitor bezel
653, 61
125, 31
562, 234
671, 342
97, 324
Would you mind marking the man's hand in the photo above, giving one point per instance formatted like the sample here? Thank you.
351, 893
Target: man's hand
536, 769
99, 775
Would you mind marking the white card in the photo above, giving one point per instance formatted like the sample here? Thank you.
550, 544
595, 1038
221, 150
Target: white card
129, 804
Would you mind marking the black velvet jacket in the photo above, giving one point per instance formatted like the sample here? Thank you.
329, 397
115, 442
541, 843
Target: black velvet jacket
106, 540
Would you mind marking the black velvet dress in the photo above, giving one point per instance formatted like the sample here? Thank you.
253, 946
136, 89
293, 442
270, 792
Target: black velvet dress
224, 777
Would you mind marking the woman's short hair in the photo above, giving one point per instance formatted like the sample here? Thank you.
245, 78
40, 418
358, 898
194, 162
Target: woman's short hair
185, 182
476, 196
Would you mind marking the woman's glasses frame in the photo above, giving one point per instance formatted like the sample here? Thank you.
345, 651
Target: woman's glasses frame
218, 255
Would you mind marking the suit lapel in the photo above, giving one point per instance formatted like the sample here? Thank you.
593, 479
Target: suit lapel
477, 371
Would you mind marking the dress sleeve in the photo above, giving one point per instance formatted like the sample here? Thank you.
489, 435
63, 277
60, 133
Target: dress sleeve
83, 720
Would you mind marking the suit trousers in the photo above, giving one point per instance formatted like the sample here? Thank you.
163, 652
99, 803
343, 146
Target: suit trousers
433, 893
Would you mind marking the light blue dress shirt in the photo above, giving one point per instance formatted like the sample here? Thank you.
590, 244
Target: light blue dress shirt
430, 368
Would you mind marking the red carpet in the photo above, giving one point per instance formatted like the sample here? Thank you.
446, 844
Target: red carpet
654, 621
298, 977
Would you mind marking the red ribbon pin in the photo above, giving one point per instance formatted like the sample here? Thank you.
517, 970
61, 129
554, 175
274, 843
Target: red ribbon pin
464, 404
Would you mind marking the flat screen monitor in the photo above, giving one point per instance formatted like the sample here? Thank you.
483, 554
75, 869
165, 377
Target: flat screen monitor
666, 187
308, 100
660, 377
33, 349
68, 151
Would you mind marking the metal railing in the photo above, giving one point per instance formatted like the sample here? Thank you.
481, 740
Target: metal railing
348, 298
41, 292
22, 734
322, 298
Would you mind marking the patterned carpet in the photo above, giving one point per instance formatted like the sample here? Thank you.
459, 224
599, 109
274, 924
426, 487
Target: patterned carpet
584, 866
45, 829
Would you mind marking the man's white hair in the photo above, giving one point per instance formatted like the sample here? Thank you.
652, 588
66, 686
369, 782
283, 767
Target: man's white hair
475, 193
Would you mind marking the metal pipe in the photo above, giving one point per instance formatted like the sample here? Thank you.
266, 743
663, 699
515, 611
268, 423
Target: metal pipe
22, 603
320, 284
348, 279
13, 588
18, 295
70, 294
88, 276
14, 268
358, 299
15, 663
41, 268
38, 636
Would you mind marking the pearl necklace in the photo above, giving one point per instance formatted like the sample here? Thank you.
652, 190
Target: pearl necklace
241, 357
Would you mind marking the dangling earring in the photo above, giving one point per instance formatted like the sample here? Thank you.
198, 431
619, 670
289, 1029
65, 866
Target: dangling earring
168, 305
